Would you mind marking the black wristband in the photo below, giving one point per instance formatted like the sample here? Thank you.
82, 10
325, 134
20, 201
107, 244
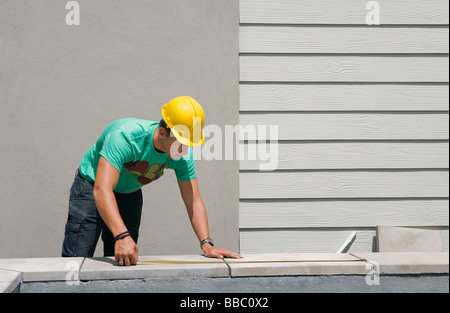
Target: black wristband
122, 235
207, 240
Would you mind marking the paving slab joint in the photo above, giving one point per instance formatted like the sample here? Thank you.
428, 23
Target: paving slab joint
80, 268
365, 260
229, 268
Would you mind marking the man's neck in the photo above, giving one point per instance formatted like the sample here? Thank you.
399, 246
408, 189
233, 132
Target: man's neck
157, 141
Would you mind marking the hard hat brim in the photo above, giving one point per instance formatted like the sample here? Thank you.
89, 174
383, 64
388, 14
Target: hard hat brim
189, 142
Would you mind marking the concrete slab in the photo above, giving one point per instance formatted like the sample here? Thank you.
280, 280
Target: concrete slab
407, 262
9, 281
165, 266
68, 270
43, 269
408, 239
285, 264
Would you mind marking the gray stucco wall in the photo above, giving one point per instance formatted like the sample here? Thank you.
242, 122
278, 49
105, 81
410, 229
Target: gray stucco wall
61, 85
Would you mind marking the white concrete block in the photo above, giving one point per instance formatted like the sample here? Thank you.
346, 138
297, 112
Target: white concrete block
407, 262
9, 280
43, 269
408, 239
180, 266
283, 264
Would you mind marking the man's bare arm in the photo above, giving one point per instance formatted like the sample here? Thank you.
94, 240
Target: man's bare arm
106, 179
199, 220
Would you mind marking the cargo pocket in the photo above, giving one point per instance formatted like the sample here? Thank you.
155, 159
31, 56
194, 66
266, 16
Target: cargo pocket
77, 188
70, 239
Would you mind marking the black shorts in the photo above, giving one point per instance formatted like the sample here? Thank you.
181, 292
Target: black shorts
84, 223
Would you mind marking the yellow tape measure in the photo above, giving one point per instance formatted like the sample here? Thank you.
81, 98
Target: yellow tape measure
231, 261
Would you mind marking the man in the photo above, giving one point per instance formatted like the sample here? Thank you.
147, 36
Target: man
106, 194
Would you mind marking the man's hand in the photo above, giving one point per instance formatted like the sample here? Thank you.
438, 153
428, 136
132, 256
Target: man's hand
126, 252
217, 253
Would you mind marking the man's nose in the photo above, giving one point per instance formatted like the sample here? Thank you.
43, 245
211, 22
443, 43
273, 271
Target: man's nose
182, 149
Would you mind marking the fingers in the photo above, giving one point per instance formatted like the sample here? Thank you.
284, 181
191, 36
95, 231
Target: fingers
230, 254
126, 252
134, 258
234, 255
222, 253
127, 261
123, 261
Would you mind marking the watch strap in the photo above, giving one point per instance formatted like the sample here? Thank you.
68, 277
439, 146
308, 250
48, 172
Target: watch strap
207, 240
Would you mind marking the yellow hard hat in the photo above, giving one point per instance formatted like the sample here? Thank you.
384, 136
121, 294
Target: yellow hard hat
185, 117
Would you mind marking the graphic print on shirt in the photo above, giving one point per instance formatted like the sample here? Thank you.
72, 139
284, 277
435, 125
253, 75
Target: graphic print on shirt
146, 173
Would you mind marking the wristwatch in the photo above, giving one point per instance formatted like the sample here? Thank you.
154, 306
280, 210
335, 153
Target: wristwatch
207, 240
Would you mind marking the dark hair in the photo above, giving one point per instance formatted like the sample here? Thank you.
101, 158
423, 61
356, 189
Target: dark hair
163, 124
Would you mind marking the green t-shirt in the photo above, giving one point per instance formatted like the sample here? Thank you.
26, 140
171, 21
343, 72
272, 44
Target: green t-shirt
128, 145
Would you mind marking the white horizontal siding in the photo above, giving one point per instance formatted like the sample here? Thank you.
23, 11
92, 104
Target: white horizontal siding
343, 184
350, 97
396, 12
352, 155
283, 213
344, 68
362, 116
353, 126
291, 39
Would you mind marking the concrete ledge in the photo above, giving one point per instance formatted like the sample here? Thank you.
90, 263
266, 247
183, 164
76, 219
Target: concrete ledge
293, 264
10, 281
154, 267
407, 262
14, 271
43, 269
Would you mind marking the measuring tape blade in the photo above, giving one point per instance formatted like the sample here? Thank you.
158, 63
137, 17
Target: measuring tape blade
247, 262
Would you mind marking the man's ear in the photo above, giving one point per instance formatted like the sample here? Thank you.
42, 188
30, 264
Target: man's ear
162, 132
